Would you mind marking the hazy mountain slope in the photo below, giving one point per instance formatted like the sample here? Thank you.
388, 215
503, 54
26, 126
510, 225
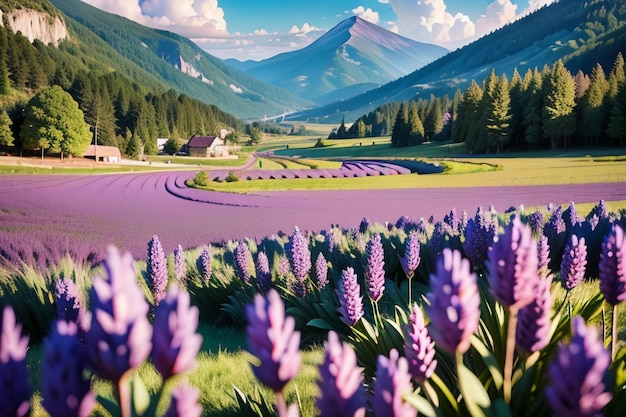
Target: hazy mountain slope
180, 64
577, 31
355, 54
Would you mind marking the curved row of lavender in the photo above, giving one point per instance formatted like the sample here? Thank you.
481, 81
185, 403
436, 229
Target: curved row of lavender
44, 217
480, 335
348, 169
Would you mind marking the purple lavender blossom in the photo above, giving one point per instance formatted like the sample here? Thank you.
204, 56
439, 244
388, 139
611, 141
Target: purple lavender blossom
329, 237
273, 340
599, 211
364, 225
574, 263
204, 264
392, 382
180, 265
156, 269
263, 275
350, 299
243, 258
65, 388
402, 222
452, 220
68, 305
411, 259
341, 389
184, 403
454, 309
117, 331
437, 239
300, 259
543, 256
534, 320
174, 338
578, 373
570, 215
613, 266
15, 390
479, 234
375, 267
555, 226
419, 349
535, 222
321, 271
513, 266
283, 267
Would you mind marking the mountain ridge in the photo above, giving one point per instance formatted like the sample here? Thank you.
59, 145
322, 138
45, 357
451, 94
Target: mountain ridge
354, 52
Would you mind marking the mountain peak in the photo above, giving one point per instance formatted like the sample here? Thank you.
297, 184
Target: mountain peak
355, 55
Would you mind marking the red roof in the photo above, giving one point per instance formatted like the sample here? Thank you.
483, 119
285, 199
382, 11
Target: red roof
201, 141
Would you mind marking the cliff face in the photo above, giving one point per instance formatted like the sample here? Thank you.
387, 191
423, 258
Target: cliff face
37, 25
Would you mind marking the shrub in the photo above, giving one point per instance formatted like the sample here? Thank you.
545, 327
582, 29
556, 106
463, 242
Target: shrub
201, 179
231, 177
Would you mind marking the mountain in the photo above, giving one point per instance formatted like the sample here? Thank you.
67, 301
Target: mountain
580, 32
351, 58
158, 57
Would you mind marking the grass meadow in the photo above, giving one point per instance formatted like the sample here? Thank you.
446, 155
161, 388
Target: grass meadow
223, 362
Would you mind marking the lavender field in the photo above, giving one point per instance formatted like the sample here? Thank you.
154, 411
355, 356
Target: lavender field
54, 214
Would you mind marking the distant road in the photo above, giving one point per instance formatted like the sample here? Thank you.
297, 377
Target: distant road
127, 209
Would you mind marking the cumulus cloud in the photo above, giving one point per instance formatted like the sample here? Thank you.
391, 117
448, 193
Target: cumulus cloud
366, 14
190, 18
431, 21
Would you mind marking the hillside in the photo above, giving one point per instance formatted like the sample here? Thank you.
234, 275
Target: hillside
172, 61
353, 57
581, 33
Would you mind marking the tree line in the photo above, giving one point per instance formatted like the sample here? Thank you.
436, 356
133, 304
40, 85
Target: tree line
118, 111
547, 108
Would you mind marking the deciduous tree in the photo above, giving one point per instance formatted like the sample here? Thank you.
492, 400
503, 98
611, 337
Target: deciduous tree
6, 135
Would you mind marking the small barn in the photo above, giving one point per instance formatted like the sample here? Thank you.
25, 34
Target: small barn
103, 153
206, 147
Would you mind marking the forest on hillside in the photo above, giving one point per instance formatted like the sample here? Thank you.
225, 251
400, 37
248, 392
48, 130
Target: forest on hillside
547, 108
123, 113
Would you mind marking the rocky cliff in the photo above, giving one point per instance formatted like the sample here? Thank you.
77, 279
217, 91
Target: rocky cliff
36, 25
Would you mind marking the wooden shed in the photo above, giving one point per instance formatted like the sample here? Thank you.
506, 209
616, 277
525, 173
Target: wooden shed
103, 153
206, 147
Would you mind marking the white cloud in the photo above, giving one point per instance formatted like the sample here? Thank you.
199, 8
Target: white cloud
498, 14
366, 14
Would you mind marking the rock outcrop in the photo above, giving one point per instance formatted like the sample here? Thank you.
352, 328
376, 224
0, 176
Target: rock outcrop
37, 25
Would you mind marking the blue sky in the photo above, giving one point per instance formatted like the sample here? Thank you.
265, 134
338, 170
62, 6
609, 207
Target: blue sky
258, 29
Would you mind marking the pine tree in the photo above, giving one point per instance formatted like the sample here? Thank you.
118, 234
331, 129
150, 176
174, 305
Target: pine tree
498, 112
414, 126
467, 113
5, 83
582, 84
558, 116
433, 120
342, 132
133, 149
399, 127
516, 88
6, 135
594, 112
616, 76
617, 121
533, 102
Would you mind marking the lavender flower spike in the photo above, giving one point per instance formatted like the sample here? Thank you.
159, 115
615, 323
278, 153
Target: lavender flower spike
273, 340
184, 403
156, 269
578, 373
454, 309
418, 347
534, 320
68, 305
375, 268
174, 338
341, 389
117, 331
300, 258
204, 264
574, 263
180, 267
411, 259
65, 388
613, 266
393, 381
243, 259
15, 389
263, 274
513, 265
321, 271
350, 299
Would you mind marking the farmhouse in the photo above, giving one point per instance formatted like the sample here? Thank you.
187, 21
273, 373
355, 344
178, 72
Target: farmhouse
206, 146
103, 153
